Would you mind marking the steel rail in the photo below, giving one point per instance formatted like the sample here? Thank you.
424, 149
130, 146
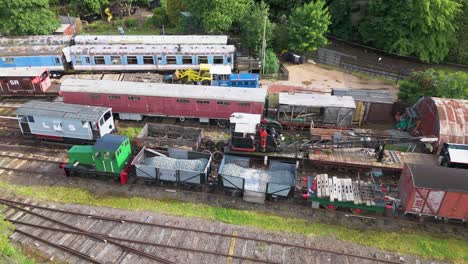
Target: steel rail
284, 244
124, 247
142, 242
64, 248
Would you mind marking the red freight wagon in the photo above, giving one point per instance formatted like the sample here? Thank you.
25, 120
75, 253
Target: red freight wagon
434, 191
24, 81
133, 100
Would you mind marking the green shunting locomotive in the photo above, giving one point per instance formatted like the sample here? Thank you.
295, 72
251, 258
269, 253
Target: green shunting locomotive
109, 157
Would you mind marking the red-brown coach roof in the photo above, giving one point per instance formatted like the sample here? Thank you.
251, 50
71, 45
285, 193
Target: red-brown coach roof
453, 120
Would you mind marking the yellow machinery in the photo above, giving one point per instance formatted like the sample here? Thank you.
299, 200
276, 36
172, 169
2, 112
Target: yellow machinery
202, 76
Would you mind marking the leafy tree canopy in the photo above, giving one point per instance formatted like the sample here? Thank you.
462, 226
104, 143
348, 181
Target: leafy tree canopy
27, 17
173, 9
459, 49
280, 8
434, 83
218, 15
307, 26
425, 28
252, 25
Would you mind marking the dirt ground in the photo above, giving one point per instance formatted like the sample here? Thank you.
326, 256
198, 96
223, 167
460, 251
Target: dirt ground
314, 77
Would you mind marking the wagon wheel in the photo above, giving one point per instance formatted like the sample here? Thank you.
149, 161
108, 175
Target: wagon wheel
220, 146
182, 119
223, 123
218, 155
210, 145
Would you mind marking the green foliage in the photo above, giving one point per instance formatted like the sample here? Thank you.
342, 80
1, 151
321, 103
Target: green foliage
94, 5
217, 16
420, 243
8, 253
26, 17
279, 8
345, 17
271, 62
160, 17
280, 37
425, 28
459, 50
173, 9
307, 26
252, 25
434, 83
130, 22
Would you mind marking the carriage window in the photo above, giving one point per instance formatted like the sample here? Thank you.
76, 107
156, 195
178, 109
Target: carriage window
107, 115
114, 97
87, 60
8, 60
57, 60
222, 103
134, 98
203, 102
171, 59
243, 104
101, 122
99, 60
148, 60
183, 101
132, 60
31, 119
116, 60
229, 59
106, 155
94, 96
187, 60
202, 59
78, 60
218, 60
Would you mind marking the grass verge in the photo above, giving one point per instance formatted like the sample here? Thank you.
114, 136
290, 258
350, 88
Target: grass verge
9, 253
129, 130
421, 244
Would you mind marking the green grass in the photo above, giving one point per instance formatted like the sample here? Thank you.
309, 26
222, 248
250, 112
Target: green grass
110, 28
9, 253
130, 131
421, 244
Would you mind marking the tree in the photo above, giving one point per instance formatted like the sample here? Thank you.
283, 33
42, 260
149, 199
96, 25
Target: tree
459, 50
425, 28
95, 5
173, 9
346, 16
218, 15
279, 37
434, 83
271, 62
279, 8
160, 17
26, 17
252, 25
307, 26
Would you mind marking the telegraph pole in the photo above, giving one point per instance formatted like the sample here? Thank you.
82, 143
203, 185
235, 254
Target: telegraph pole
264, 45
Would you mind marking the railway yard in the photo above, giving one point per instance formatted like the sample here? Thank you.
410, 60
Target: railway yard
160, 149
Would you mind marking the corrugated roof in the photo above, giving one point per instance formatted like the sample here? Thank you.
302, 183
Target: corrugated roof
453, 120
458, 153
245, 123
150, 49
58, 109
164, 90
31, 50
316, 100
439, 178
365, 95
35, 40
154, 39
21, 72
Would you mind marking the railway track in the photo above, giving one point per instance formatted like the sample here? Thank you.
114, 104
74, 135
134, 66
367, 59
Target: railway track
86, 235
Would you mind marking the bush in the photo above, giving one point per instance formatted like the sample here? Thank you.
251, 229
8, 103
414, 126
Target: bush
271, 62
434, 83
130, 22
160, 17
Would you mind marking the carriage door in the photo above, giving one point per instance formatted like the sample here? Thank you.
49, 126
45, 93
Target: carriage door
25, 125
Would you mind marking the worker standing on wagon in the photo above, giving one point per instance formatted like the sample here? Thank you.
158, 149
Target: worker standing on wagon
263, 139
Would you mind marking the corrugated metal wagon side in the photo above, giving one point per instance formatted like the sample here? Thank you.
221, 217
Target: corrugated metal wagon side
434, 191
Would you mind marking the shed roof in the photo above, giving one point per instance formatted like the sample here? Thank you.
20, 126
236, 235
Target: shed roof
150, 49
220, 69
439, 178
21, 72
153, 39
458, 153
61, 110
109, 142
316, 100
245, 123
366, 95
453, 120
164, 90
35, 40
31, 50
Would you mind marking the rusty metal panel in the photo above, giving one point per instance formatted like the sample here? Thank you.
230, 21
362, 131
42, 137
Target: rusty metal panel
379, 113
455, 206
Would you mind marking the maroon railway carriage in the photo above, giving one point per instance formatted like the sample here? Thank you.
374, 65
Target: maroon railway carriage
434, 191
133, 100
24, 81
